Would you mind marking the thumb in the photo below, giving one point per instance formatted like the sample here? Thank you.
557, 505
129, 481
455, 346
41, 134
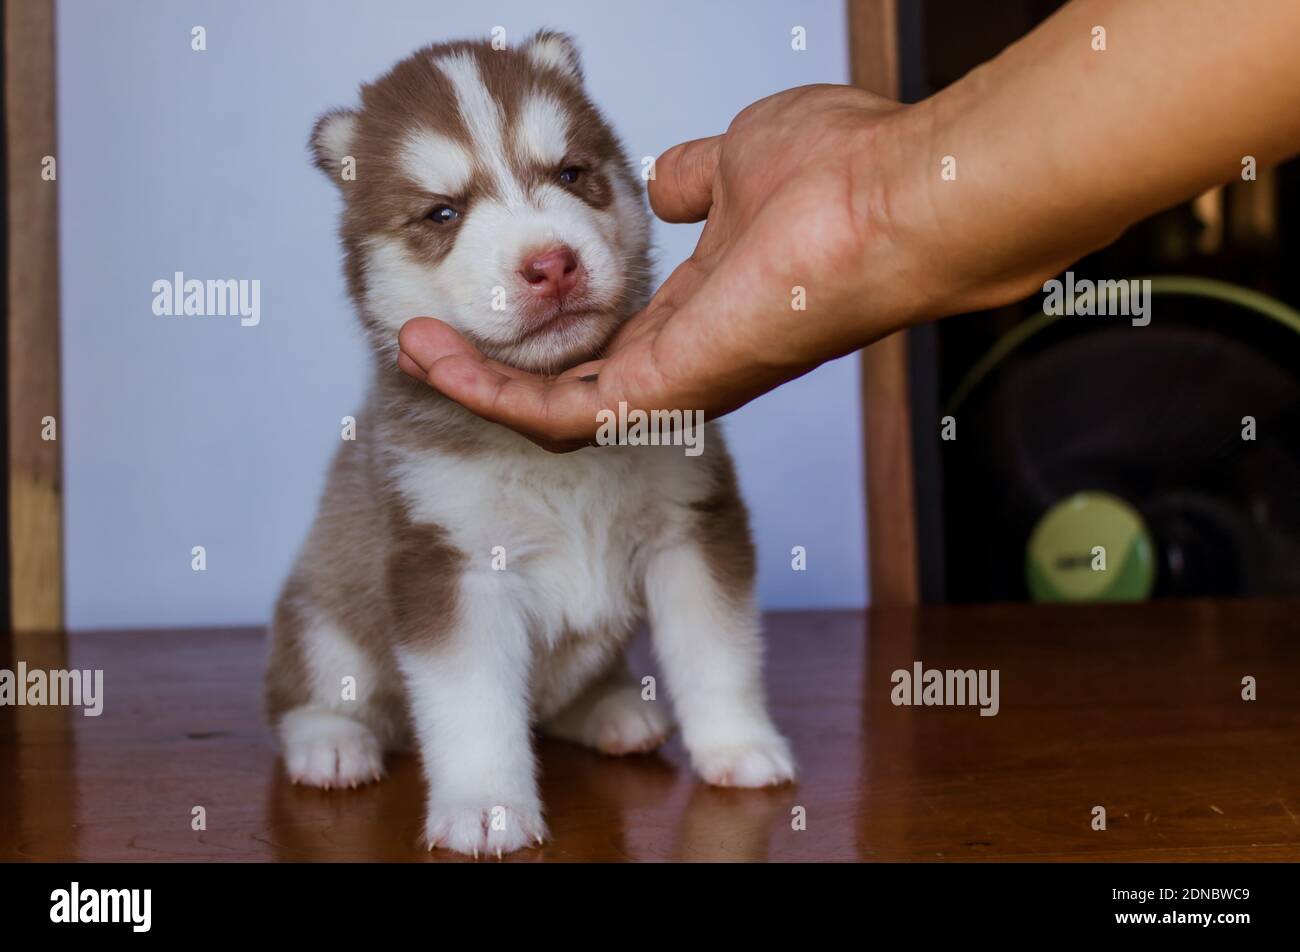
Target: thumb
682, 187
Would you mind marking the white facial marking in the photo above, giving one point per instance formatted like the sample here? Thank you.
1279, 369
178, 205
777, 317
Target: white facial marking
543, 130
397, 288
483, 119
437, 163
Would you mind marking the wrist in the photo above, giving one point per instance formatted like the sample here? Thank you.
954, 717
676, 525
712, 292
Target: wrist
959, 234
904, 241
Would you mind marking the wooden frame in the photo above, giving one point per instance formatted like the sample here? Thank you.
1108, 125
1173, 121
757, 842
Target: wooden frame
892, 550
34, 465
32, 332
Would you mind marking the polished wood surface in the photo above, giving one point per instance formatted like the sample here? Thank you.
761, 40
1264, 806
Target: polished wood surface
1137, 709
32, 372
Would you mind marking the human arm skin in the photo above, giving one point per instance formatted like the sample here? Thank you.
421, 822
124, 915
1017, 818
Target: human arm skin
1058, 149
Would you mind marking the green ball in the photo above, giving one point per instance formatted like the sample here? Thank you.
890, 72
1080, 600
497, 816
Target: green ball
1090, 547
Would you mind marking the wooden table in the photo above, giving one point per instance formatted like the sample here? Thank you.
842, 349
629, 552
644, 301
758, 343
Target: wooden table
1134, 708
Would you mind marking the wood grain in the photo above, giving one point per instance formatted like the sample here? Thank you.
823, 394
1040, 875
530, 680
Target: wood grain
35, 477
892, 556
1134, 708
873, 46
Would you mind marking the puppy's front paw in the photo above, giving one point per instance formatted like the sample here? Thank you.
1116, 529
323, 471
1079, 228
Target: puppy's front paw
761, 762
483, 829
322, 749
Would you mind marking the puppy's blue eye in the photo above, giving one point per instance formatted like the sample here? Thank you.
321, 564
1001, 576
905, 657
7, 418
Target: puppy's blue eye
570, 175
443, 214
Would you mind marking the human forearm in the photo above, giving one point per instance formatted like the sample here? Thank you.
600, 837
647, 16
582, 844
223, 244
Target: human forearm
1059, 147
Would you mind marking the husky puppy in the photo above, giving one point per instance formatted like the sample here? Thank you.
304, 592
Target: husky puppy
461, 585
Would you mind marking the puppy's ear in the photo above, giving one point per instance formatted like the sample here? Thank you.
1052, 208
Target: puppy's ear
557, 51
332, 141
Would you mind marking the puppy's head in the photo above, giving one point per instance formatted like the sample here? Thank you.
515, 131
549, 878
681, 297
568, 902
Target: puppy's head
482, 187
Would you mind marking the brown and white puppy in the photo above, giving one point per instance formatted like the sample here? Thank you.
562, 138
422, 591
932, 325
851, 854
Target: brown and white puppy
461, 584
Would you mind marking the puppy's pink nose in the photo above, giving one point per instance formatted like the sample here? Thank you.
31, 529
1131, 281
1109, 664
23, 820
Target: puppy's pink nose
553, 273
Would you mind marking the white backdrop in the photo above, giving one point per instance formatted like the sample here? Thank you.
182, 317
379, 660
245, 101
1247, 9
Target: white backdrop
180, 432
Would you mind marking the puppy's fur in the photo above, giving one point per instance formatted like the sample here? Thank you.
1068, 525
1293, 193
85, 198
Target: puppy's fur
461, 585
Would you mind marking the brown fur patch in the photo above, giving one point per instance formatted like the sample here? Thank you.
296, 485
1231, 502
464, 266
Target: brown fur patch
722, 532
286, 667
423, 570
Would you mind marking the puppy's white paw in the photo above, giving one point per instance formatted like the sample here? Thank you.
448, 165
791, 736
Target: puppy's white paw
614, 720
480, 829
762, 762
328, 750
623, 722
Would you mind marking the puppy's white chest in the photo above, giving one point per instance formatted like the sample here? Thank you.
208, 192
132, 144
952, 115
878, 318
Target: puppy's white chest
564, 536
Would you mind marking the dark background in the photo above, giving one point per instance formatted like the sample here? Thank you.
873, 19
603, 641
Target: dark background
1149, 414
